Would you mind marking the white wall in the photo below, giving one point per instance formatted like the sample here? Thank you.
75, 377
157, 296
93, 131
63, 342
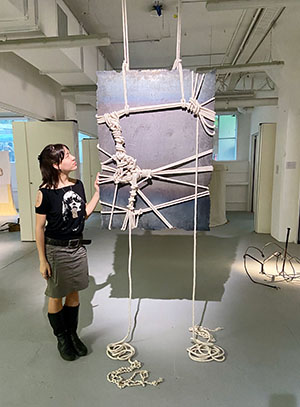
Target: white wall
286, 186
25, 91
87, 122
263, 114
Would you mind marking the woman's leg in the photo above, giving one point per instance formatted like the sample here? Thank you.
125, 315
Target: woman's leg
54, 305
71, 310
57, 322
72, 300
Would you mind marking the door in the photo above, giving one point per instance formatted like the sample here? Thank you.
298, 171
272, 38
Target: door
29, 140
252, 167
264, 178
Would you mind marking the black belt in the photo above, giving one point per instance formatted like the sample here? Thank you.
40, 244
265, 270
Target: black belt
69, 243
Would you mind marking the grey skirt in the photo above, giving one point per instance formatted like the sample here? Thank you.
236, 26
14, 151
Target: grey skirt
69, 270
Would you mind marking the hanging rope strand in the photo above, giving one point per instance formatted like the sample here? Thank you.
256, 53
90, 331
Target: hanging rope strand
129, 282
178, 41
195, 228
178, 63
125, 35
125, 65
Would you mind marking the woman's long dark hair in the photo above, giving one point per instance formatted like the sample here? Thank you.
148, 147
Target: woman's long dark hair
52, 154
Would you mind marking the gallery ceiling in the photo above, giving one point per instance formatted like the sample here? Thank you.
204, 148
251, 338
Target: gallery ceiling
209, 38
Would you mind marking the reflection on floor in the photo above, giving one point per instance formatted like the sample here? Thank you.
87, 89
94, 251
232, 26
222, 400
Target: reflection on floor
261, 330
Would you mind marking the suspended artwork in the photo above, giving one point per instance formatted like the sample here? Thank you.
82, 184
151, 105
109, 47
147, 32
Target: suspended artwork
155, 146
148, 152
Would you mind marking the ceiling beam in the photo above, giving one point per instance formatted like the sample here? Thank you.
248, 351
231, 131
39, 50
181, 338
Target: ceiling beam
218, 5
224, 69
67, 90
72, 41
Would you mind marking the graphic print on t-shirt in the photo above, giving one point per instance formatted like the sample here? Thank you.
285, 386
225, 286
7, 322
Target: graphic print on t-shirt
71, 205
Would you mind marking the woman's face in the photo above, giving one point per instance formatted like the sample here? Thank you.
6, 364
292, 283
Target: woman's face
68, 163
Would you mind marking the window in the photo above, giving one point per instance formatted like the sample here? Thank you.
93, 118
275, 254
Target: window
6, 136
81, 136
226, 138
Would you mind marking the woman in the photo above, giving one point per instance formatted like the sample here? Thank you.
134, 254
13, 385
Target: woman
63, 262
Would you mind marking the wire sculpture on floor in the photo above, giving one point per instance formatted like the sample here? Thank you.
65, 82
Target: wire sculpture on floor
122, 169
280, 259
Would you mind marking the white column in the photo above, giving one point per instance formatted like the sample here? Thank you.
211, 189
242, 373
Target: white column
286, 187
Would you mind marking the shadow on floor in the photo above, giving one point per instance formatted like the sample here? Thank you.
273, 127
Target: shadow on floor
162, 266
283, 400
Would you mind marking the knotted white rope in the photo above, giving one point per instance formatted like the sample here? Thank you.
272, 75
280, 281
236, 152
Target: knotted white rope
206, 115
134, 366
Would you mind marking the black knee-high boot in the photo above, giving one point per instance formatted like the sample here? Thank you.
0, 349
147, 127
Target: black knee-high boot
71, 321
64, 343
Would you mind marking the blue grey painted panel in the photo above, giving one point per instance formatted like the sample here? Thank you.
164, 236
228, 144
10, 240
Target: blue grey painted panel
155, 139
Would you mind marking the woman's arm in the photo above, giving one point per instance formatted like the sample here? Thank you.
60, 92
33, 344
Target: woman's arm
95, 199
40, 221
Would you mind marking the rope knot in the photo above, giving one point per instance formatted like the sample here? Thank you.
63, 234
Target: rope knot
126, 110
194, 106
125, 66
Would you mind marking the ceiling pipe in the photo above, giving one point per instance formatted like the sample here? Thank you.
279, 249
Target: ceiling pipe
241, 19
235, 103
221, 5
226, 69
247, 35
203, 55
72, 41
236, 94
266, 33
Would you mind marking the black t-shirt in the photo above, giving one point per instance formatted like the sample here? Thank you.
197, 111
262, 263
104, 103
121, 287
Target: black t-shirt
65, 211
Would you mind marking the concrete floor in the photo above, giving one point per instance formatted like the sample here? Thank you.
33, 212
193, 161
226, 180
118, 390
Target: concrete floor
261, 326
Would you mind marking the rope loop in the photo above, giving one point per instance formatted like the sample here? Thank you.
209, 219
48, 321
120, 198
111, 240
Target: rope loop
206, 352
120, 351
203, 351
